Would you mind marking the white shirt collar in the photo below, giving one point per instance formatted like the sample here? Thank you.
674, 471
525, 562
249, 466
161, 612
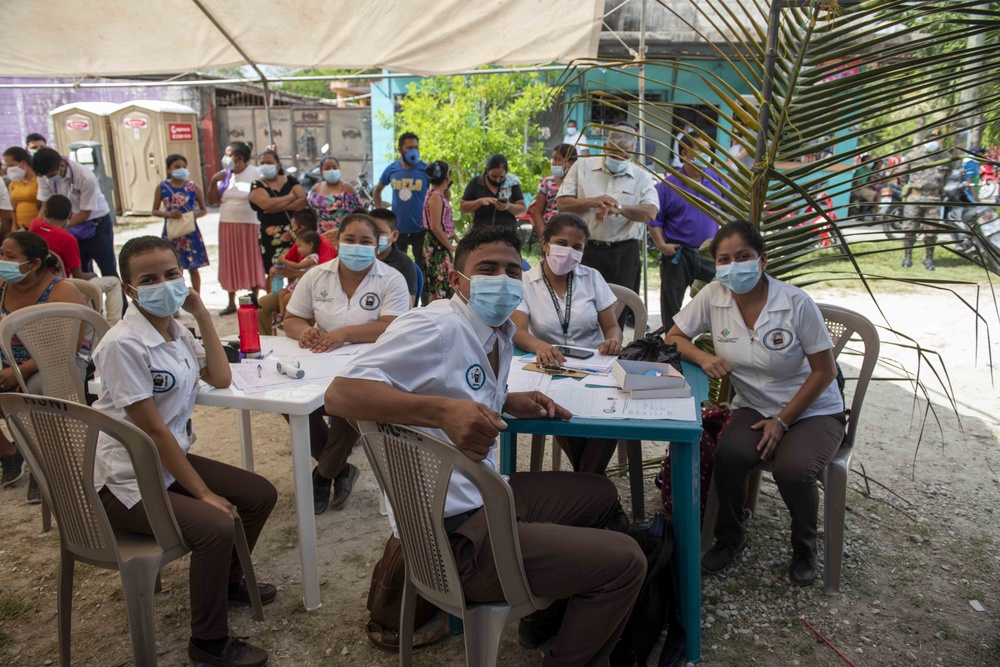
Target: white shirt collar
777, 298
145, 329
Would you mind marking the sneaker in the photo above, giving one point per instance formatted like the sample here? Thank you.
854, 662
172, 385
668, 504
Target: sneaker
721, 556
803, 569
241, 596
342, 486
13, 469
321, 496
34, 493
532, 635
236, 653
929, 264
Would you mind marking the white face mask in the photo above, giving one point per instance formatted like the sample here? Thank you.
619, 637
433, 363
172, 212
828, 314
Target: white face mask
228, 162
563, 259
15, 173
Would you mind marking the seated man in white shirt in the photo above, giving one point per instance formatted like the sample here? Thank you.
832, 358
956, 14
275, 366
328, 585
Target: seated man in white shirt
444, 368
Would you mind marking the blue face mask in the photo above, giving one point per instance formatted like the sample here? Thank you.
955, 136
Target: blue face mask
614, 165
494, 298
412, 156
180, 174
383, 244
163, 299
268, 171
739, 277
558, 170
331, 176
11, 271
356, 257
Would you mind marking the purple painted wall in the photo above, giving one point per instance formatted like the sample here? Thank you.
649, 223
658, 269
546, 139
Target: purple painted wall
25, 110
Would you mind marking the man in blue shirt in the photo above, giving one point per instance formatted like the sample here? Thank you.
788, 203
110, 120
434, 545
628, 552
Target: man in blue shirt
408, 177
681, 227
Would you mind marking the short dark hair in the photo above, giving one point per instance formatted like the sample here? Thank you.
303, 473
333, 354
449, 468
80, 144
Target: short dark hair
687, 143
571, 121
46, 160
18, 154
481, 235
362, 218
34, 247
34, 136
437, 172
312, 238
404, 136
324, 159
307, 218
741, 228
385, 215
58, 207
240, 149
566, 152
173, 157
561, 221
277, 158
140, 245
497, 161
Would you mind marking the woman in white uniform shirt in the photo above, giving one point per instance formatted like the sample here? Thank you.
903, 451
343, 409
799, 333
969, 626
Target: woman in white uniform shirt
771, 339
352, 299
151, 365
568, 304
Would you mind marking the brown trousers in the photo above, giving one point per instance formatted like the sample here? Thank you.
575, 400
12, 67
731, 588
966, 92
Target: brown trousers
595, 573
209, 533
588, 454
799, 458
331, 444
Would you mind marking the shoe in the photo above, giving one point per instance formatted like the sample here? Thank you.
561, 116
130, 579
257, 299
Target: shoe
13, 469
321, 495
721, 556
342, 486
229, 310
532, 634
34, 493
907, 259
929, 264
802, 571
237, 653
241, 596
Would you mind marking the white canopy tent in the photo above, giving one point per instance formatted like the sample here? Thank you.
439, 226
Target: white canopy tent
100, 38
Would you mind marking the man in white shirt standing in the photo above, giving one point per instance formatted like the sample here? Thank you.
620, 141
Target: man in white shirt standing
444, 369
575, 138
90, 222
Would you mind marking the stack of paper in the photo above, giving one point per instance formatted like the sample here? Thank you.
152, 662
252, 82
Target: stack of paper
598, 363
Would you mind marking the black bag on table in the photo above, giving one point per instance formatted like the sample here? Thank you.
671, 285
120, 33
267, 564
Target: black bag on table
653, 349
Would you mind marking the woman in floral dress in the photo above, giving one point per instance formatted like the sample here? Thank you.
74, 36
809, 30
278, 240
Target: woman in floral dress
178, 195
275, 197
332, 198
544, 206
439, 245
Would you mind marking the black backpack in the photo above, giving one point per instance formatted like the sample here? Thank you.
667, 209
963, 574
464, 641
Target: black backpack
657, 606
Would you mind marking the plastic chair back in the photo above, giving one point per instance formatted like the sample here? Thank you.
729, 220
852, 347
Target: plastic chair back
414, 469
629, 299
92, 294
50, 334
59, 440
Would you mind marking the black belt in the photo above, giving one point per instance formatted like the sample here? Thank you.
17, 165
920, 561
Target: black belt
452, 523
609, 244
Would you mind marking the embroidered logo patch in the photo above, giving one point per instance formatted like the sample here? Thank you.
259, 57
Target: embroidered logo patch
370, 301
778, 339
163, 381
724, 337
475, 376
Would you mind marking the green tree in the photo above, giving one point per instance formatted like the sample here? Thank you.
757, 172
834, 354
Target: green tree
319, 89
465, 119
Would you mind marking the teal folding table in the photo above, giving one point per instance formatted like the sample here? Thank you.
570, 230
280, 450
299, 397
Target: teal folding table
685, 474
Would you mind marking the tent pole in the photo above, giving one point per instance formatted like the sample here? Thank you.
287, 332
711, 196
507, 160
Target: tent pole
267, 109
642, 151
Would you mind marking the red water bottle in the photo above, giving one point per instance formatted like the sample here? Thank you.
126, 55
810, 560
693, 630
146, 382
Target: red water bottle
246, 314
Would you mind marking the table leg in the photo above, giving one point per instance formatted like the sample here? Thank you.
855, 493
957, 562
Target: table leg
302, 474
634, 449
508, 453
246, 439
685, 479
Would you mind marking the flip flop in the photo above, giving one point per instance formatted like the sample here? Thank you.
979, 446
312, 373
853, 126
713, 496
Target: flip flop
228, 311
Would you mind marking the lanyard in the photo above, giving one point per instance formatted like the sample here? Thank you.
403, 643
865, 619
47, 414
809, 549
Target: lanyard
555, 301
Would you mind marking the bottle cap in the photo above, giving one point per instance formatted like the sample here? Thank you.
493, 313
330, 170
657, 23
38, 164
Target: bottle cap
246, 301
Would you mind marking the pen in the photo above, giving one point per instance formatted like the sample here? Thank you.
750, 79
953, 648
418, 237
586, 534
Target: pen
268, 352
259, 369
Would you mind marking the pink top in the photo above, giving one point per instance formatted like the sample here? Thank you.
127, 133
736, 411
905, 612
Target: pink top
446, 221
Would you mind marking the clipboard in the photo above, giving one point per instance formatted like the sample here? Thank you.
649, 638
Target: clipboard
554, 370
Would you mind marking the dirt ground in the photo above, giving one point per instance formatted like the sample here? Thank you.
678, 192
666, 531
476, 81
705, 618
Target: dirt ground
923, 540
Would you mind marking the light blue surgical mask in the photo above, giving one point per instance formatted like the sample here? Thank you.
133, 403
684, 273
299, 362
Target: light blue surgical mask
180, 174
331, 176
614, 165
356, 257
163, 299
268, 171
494, 298
739, 277
932, 146
558, 170
11, 271
383, 244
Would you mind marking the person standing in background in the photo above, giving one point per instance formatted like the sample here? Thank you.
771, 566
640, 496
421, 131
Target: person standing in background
240, 265
544, 206
23, 186
928, 166
332, 198
575, 138
180, 195
6, 211
33, 142
440, 247
408, 178
275, 196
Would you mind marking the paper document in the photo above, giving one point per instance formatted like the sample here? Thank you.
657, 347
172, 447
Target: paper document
599, 363
522, 380
248, 379
610, 403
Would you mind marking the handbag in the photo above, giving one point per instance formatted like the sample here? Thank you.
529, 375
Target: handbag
653, 349
182, 226
83, 231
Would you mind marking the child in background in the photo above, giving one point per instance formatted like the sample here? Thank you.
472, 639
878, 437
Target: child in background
308, 247
179, 195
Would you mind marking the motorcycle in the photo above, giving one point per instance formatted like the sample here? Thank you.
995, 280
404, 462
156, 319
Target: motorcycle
965, 214
989, 184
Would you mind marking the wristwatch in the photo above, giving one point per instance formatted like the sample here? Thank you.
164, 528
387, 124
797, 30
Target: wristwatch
619, 211
780, 421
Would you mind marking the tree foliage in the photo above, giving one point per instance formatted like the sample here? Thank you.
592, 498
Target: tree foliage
465, 119
319, 89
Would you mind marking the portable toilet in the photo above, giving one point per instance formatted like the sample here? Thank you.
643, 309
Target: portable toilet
145, 133
87, 122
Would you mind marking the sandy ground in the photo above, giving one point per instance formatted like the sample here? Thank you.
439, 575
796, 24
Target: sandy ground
923, 536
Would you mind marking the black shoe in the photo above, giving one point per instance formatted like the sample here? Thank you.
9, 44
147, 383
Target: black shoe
802, 571
721, 556
241, 596
34, 493
236, 653
929, 264
13, 469
343, 485
228, 310
321, 494
531, 634
907, 262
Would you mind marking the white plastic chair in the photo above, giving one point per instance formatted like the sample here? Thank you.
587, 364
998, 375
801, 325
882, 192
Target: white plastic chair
59, 440
843, 324
413, 469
